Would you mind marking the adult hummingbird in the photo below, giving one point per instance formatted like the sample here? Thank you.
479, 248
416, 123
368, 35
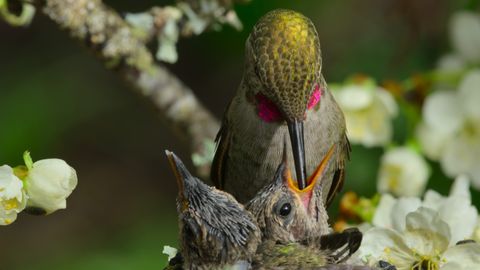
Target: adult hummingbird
215, 230
282, 92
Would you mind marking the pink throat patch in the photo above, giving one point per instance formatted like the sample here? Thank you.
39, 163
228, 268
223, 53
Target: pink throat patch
315, 98
269, 112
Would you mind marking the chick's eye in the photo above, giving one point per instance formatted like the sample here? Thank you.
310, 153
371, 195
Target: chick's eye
285, 209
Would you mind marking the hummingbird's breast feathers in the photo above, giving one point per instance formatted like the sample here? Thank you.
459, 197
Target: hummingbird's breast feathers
285, 53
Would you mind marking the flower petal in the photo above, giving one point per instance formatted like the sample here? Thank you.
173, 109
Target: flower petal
476, 233
171, 252
462, 257
382, 217
368, 111
461, 156
432, 141
354, 97
433, 200
402, 209
461, 187
470, 94
49, 183
403, 172
12, 195
465, 34
426, 232
385, 244
460, 216
442, 111
7, 218
10, 185
388, 101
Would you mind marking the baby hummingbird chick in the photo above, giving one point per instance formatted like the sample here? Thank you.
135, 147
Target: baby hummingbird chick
215, 230
284, 212
294, 224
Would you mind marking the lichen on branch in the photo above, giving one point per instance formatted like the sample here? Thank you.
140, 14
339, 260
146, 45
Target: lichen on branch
185, 18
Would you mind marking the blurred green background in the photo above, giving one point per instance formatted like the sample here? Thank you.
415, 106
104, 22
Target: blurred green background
57, 100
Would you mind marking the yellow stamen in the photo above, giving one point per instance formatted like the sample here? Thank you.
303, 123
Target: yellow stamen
394, 172
10, 204
426, 262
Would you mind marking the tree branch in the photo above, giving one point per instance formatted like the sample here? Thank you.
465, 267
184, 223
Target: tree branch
106, 34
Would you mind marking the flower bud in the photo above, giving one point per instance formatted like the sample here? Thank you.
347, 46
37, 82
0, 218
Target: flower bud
48, 184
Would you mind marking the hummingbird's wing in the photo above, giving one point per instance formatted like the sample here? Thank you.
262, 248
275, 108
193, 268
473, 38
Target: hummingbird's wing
341, 245
339, 175
217, 173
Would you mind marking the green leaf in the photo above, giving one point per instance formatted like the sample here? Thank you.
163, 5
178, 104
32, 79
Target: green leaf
28, 160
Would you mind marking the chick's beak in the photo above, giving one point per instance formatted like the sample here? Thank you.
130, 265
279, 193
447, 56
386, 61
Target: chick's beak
182, 175
305, 194
295, 129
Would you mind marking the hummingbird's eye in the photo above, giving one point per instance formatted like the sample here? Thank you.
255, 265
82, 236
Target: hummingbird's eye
285, 209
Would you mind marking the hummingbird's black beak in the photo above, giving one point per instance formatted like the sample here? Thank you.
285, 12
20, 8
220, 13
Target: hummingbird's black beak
295, 128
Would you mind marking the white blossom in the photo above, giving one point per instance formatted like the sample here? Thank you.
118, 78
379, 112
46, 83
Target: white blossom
450, 128
369, 111
49, 182
465, 35
12, 195
456, 210
171, 252
391, 212
423, 244
403, 172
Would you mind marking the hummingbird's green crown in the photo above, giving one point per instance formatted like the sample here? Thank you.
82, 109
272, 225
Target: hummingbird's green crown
287, 59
